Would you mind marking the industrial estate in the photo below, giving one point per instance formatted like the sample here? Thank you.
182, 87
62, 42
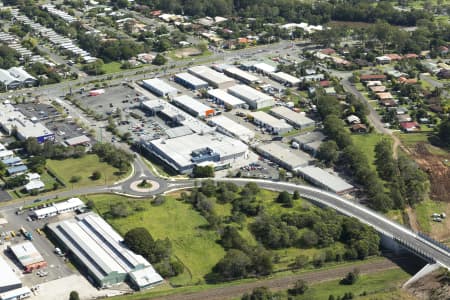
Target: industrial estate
224, 150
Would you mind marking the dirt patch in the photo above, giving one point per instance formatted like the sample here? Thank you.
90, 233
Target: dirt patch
412, 219
430, 287
438, 172
186, 52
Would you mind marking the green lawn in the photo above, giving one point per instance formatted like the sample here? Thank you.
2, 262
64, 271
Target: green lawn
424, 210
378, 282
112, 67
410, 139
83, 167
367, 142
194, 246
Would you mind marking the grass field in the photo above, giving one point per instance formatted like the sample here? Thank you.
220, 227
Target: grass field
374, 283
410, 139
424, 210
83, 167
112, 67
367, 142
194, 246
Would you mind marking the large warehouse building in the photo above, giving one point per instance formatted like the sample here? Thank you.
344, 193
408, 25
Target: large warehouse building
288, 158
99, 249
298, 120
214, 78
223, 98
241, 75
8, 278
285, 78
190, 81
323, 179
231, 128
185, 152
159, 87
13, 121
254, 98
192, 106
28, 256
269, 122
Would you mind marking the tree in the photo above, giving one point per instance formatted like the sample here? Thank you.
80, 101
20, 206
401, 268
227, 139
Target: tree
386, 164
159, 60
36, 164
301, 261
96, 175
75, 179
259, 293
203, 172
444, 132
296, 195
285, 199
299, 288
350, 278
235, 264
74, 295
328, 153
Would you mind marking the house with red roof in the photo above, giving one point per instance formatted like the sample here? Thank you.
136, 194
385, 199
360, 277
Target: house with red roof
410, 126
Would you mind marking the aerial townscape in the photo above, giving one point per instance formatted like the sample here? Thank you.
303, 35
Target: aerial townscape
251, 149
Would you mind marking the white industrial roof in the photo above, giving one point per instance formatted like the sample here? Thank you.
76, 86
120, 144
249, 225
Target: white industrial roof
7, 276
146, 276
82, 139
98, 245
331, 181
6, 78
180, 149
265, 67
242, 74
210, 75
68, 204
160, 85
281, 76
34, 185
45, 211
193, 104
292, 116
249, 93
292, 157
11, 118
191, 79
26, 253
225, 97
269, 120
15, 294
20, 74
235, 128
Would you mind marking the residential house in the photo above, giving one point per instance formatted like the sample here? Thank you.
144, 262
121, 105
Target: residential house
359, 128
410, 126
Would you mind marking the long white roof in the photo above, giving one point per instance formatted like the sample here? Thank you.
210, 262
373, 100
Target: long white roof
238, 130
98, 245
7, 276
160, 85
225, 97
193, 104
331, 181
210, 75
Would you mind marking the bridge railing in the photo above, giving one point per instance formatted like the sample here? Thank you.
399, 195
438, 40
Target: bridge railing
415, 249
433, 241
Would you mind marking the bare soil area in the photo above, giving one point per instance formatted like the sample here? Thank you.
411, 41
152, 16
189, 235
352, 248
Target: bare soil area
439, 173
434, 286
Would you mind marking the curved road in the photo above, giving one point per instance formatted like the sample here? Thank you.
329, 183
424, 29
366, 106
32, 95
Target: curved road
389, 228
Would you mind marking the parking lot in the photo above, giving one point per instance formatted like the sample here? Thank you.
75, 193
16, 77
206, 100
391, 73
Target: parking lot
119, 97
57, 266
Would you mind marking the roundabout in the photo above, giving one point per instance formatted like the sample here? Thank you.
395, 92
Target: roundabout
144, 186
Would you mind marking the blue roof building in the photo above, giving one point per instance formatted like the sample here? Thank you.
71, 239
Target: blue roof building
17, 170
